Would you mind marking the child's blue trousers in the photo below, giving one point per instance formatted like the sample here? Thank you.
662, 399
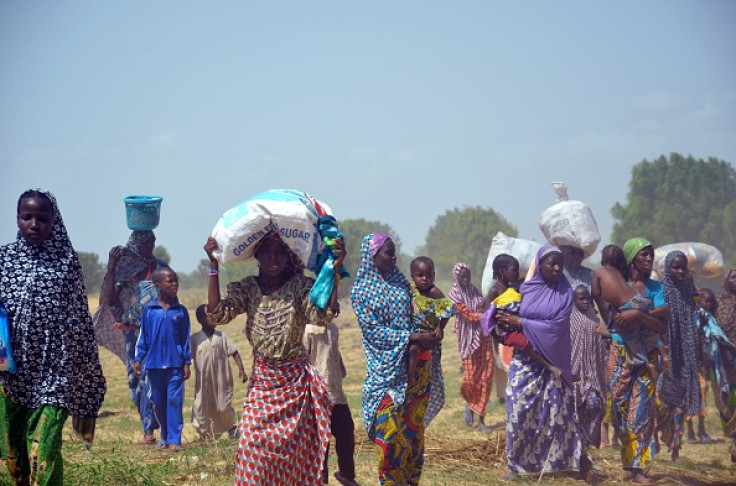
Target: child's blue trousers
167, 395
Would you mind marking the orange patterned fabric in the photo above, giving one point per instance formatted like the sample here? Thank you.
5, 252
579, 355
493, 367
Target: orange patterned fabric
478, 376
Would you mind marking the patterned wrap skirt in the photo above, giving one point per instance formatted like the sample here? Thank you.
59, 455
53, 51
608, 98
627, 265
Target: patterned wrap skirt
400, 431
285, 427
478, 376
542, 432
633, 409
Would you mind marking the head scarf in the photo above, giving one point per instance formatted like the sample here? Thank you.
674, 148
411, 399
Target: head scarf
680, 386
377, 242
581, 276
632, 248
726, 310
51, 331
382, 305
545, 314
468, 333
129, 264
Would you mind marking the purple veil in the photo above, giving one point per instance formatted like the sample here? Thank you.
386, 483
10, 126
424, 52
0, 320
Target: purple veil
545, 315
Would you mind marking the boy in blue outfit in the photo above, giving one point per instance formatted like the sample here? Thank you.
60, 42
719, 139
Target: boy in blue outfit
164, 344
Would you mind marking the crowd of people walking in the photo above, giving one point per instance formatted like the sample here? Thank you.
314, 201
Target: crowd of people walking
582, 355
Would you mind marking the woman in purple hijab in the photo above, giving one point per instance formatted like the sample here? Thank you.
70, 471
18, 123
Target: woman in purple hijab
542, 434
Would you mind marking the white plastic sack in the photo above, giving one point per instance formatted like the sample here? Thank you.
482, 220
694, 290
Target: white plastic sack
569, 223
703, 259
291, 213
523, 250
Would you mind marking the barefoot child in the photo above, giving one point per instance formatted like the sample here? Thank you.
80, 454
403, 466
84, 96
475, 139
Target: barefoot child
609, 287
711, 336
588, 361
164, 344
430, 308
321, 347
505, 300
212, 410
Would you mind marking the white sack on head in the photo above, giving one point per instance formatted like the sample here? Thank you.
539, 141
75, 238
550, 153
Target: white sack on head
291, 213
703, 259
523, 250
569, 223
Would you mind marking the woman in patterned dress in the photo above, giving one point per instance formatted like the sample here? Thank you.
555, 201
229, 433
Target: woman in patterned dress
393, 412
632, 389
679, 387
542, 430
285, 427
58, 369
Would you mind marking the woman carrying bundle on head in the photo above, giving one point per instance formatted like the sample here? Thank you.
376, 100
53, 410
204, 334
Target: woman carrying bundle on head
542, 432
285, 426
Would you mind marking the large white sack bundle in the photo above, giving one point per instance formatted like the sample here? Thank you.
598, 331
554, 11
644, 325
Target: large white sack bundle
570, 223
292, 213
703, 259
523, 250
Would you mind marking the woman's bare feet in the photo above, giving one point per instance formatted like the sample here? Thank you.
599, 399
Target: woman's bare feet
468, 417
638, 477
482, 427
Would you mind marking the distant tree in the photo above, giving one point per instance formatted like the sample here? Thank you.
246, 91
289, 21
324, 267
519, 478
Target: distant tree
162, 254
464, 235
93, 270
679, 199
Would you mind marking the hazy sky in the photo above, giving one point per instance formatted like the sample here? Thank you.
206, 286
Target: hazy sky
388, 111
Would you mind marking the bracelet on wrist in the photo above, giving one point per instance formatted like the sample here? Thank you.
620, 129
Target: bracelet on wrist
214, 272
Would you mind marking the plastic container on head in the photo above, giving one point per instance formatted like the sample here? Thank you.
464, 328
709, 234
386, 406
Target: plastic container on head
142, 212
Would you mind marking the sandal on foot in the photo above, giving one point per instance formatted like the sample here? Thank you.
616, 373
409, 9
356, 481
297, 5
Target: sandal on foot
149, 439
706, 439
175, 447
692, 441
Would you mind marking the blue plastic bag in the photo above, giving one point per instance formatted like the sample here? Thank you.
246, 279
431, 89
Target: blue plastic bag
7, 363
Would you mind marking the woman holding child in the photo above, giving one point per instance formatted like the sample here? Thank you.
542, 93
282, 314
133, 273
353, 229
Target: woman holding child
542, 433
285, 426
393, 410
632, 388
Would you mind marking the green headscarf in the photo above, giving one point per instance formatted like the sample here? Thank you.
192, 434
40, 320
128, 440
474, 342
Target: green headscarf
633, 247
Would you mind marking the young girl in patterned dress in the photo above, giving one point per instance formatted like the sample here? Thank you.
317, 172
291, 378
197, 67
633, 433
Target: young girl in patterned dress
285, 426
58, 369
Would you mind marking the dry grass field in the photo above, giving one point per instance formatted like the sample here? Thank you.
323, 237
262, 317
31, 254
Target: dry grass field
455, 454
